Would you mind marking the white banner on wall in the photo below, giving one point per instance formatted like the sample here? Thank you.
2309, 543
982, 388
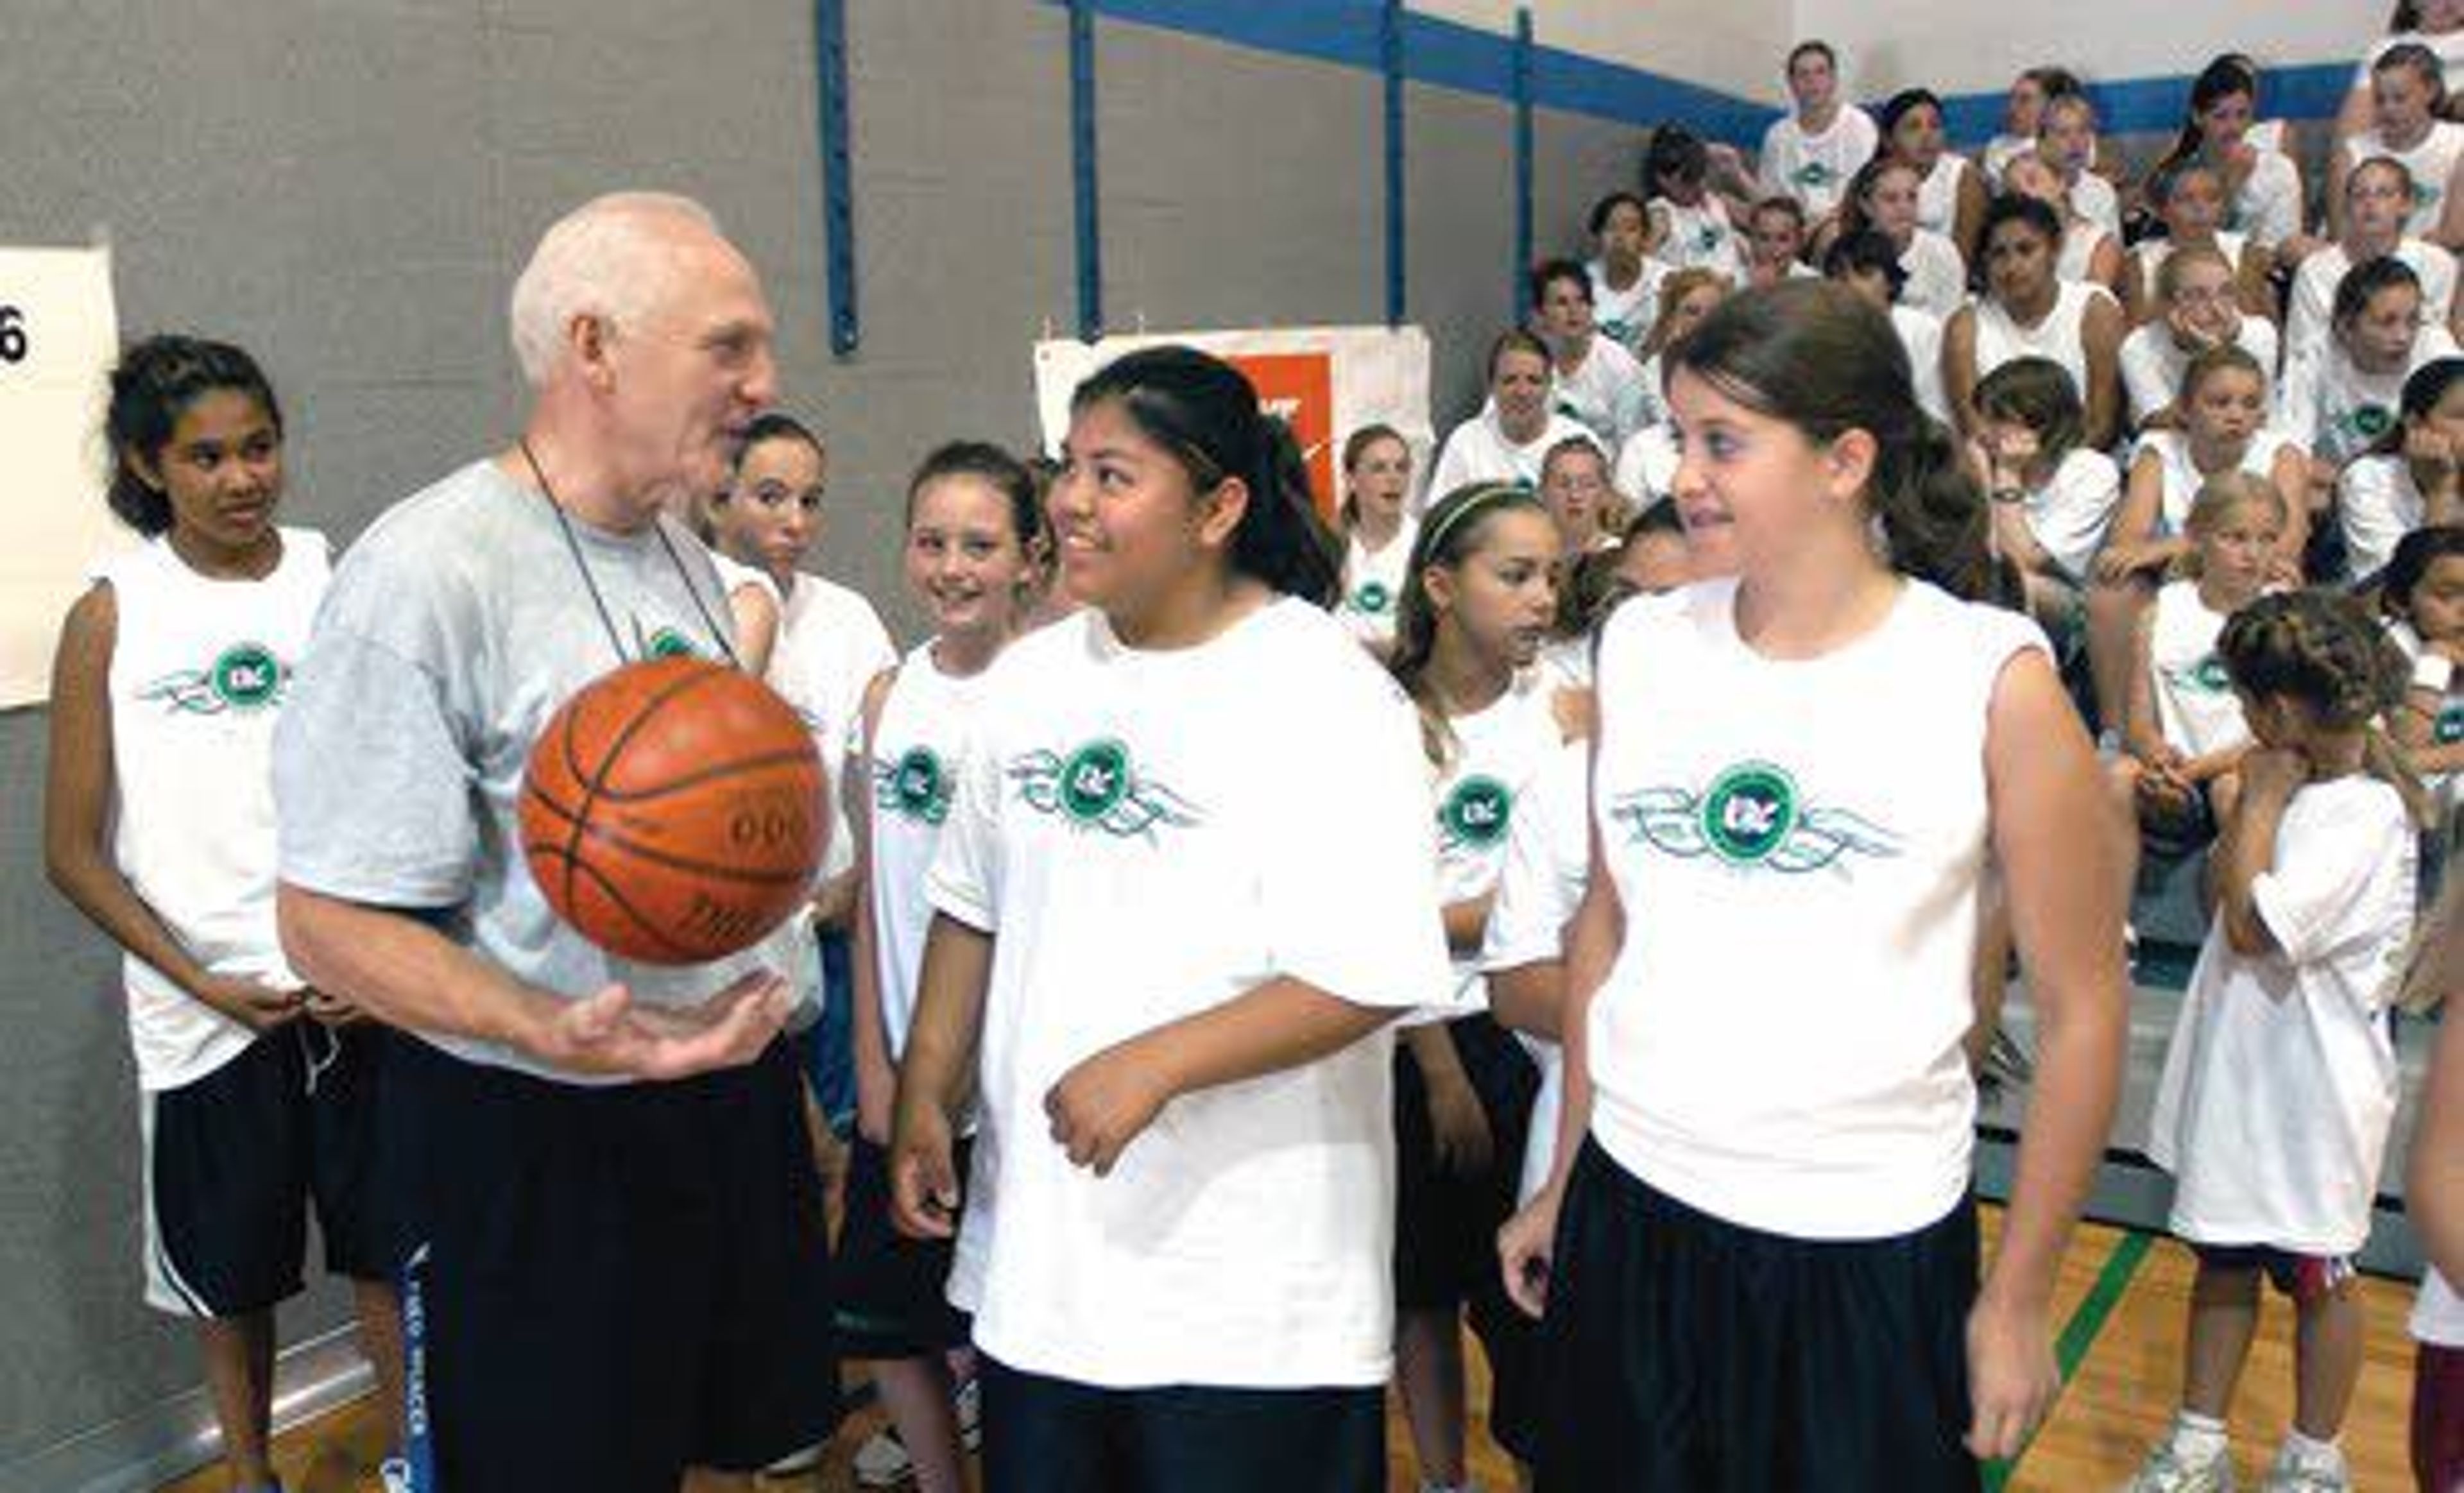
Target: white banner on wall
59, 336
1325, 381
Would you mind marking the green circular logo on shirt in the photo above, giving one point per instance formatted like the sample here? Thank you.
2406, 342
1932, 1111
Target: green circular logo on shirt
919, 784
1372, 597
2212, 675
2451, 725
1814, 173
667, 643
1094, 781
246, 676
2373, 421
1476, 813
1748, 813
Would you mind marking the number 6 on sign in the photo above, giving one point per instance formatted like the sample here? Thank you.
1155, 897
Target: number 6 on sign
13, 335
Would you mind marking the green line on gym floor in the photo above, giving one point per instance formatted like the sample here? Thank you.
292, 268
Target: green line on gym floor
2078, 1334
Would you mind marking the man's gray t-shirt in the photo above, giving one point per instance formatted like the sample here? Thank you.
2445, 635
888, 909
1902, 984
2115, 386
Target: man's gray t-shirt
453, 631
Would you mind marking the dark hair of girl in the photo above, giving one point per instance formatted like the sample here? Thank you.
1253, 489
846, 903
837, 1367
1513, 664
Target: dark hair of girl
996, 468
1355, 448
1549, 271
2039, 395
1206, 412
2364, 282
1514, 340
2423, 390
1601, 210
1450, 530
2414, 554
2221, 78
1901, 104
1675, 151
775, 426
156, 383
2326, 653
2054, 83
2011, 208
2422, 63
1823, 359
1866, 254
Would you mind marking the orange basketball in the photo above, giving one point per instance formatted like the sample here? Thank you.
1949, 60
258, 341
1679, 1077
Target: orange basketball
675, 811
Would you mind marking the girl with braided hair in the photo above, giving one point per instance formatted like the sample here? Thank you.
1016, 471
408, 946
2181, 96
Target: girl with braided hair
2280, 1084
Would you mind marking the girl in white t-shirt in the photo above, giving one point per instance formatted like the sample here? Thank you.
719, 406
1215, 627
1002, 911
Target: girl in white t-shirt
2409, 126
1882, 199
975, 531
1167, 940
2410, 478
2422, 593
1625, 275
2184, 735
820, 644
1597, 381
2066, 138
1769, 982
2435, 24
1689, 220
2279, 1084
2023, 117
2088, 254
2263, 190
1476, 609
1775, 242
2026, 308
1950, 191
1377, 531
2195, 308
2340, 399
2377, 197
159, 826
2052, 497
1576, 494
2190, 200
1506, 441
1867, 264
2224, 429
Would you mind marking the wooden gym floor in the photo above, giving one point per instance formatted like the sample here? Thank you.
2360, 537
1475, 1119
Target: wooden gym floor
2118, 1312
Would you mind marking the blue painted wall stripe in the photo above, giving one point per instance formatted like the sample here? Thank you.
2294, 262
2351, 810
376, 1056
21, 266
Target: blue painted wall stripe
1523, 166
838, 184
1391, 56
1084, 187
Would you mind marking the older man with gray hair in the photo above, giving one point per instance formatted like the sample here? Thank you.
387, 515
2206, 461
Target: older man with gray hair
608, 1219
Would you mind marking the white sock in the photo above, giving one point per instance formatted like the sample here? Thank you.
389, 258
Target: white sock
2199, 1435
2300, 1451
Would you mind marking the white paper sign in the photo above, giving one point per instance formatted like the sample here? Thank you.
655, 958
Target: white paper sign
1325, 381
59, 336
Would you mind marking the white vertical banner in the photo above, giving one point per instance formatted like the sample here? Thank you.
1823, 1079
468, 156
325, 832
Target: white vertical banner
59, 336
1324, 381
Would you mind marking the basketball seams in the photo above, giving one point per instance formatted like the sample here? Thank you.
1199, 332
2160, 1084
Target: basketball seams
694, 779
668, 948
617, 839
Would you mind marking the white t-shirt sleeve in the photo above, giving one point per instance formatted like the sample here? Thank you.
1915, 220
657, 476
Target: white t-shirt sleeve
1537, 891
2144, 377
965, 879
2079, 507
2308, 901
2297, 402
1454, 466
2366, 499
1353, 910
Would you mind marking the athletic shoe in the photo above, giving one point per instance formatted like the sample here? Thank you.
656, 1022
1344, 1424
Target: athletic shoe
2294, 1473
395, 1473
796, 1463
971, 1414
2166, 1470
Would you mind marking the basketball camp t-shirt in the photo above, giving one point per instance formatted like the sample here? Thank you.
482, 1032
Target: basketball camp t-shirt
1148, 835
200, 669
1499, 754
1779, 1041
456, 626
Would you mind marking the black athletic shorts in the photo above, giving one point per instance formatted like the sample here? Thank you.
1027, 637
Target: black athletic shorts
604, 1287
1053, 1435
1686, 1355
234, 1160
891, 1290
1447, 1222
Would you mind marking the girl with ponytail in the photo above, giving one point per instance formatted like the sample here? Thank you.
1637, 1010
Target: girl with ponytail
1167, 936
1800, 775
2280, 1084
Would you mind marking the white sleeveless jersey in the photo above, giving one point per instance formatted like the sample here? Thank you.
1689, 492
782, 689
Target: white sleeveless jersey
918, 746
1701, 237
2183, 477
1938, 194
199, 669
1937, 283
1779, 1041
2195, 706
2060, 337
2430, 163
